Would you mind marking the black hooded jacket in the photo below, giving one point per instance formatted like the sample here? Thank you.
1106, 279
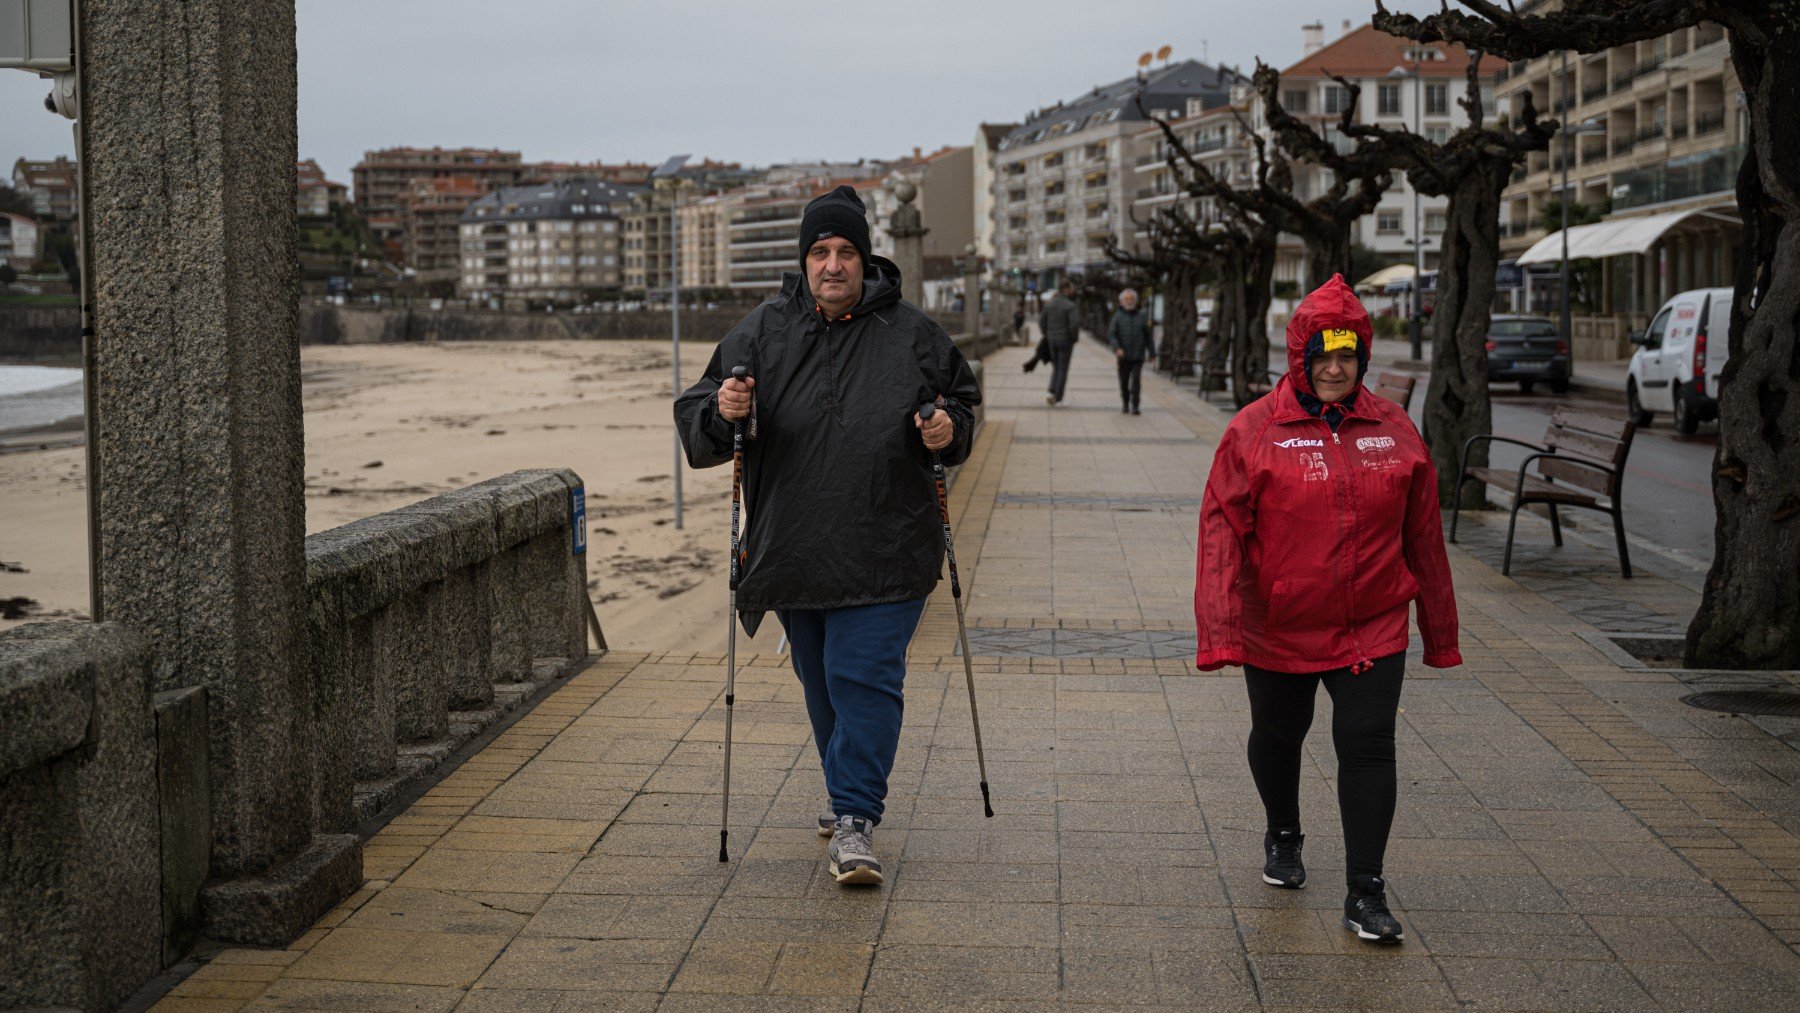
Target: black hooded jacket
841, 507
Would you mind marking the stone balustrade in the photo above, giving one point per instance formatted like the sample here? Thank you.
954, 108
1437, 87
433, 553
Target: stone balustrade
426, 625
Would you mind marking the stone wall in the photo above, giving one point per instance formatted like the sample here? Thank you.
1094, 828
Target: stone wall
80, 917
39, 332
424, 626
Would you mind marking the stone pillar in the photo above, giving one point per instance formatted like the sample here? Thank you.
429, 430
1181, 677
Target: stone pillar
906, 226
190, 138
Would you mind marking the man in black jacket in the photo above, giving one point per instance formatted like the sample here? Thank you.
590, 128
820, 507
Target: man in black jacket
1062, 327
843, 541
1129, 336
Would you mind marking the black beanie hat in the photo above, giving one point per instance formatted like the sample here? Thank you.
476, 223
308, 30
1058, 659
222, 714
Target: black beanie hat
839, 213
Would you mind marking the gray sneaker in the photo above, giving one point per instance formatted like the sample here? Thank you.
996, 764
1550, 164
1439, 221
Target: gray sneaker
853, 853
827, 823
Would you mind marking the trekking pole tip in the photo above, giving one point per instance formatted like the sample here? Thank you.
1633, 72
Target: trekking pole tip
723, 856
986, 803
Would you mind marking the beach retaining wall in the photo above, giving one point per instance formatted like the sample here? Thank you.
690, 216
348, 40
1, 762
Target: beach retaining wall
426, 625
39, 332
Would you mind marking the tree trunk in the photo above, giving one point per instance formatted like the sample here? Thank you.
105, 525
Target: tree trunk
1326, 255
1456, 400
1222, 337
1250, 348
1178, 318
1748, 610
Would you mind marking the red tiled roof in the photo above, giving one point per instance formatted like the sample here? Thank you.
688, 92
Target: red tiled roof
1366, 52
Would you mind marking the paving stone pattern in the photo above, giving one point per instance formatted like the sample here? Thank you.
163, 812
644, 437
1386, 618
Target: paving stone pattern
1569, 834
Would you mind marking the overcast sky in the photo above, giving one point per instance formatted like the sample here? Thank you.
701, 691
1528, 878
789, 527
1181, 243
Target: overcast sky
638, 80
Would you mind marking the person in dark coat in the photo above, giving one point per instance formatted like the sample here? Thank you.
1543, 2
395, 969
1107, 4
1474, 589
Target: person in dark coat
1062, 325
1129, 337
842, 541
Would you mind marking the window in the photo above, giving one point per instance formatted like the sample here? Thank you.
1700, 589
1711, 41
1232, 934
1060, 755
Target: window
1016, 251
1654, 335
1437, 134
1016, 222
1294, 100
1095, 152
1053, 161
1054, 217
1434, 222
1337, 98
1054, 189
1016, 194
1055, 246
1387, 223
1437, 99
1390, 100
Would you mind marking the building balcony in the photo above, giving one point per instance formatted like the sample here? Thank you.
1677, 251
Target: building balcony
1678, 131
1623, 145
1709, 122
1594, 92
1591, 153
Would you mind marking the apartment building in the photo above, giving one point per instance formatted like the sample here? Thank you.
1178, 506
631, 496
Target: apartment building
1403, 85
763, 230
1215, 137
49, 184
431, 216
703, 238
20, 245
314, 195
557, 242
650, 224
1658, 133
384, 181
983, 154
1061, 177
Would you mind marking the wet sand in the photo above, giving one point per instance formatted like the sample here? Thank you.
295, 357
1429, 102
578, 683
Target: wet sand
388, 425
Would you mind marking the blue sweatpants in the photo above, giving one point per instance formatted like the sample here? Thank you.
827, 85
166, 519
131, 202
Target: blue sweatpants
852, 665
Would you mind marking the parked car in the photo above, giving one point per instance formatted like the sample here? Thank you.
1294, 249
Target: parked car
1679, 358
1527, 349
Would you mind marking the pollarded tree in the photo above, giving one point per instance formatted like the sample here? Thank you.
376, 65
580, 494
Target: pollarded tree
1358, 179
1471, 168
1747, 616
1244, 236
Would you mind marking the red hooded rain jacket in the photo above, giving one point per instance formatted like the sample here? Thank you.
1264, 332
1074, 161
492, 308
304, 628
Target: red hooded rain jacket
1312, 544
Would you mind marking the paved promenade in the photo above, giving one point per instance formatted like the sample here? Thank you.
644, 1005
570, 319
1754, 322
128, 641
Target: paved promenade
1569, 834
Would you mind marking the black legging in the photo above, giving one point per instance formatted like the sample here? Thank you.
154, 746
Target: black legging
1362, 729
1131, 380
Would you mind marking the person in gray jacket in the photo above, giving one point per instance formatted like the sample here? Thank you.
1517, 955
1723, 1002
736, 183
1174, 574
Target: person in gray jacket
1129, 337
1062, 326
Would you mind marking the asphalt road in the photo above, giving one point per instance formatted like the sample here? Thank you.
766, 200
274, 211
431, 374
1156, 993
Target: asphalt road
1668, 491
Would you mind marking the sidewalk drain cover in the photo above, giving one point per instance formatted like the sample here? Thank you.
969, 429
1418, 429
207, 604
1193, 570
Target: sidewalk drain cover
1747, 701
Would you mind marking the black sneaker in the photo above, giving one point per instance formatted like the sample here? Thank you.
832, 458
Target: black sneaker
1366, 912
1281, 864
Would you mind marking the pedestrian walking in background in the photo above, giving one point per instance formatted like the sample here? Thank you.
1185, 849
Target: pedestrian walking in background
1062, 325
1019, 324
843, 540
1129, 337
1319, 527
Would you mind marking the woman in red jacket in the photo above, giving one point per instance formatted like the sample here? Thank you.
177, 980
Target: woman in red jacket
1319, 527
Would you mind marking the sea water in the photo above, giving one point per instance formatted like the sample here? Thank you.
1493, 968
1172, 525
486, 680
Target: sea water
38, 395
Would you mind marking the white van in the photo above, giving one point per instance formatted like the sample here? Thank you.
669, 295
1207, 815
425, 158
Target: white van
1679, 358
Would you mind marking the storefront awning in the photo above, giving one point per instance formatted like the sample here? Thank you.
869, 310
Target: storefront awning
1618, 236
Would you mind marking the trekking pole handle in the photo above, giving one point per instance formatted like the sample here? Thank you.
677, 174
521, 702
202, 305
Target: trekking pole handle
739, 372
927, 410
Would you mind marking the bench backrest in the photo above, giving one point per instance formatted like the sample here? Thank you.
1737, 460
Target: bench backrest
1396, 387
1593, 437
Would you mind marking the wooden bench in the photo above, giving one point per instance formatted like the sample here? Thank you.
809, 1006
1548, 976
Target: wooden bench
1581, 464
1396, 387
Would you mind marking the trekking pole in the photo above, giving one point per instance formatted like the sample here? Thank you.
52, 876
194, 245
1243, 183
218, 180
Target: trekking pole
926, 411
737, 485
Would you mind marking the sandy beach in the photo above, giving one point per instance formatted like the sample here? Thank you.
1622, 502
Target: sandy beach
388, 425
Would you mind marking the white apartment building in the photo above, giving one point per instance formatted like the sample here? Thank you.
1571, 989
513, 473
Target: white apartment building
1404, 86
558, 242
1065, 178
19, 242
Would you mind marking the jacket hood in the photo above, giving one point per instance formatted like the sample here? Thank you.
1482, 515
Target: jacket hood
1332, 305
881, 287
